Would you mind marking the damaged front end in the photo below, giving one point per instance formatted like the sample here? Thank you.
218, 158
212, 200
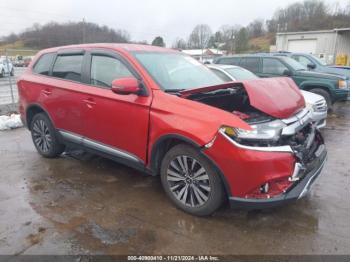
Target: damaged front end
297, 135
287, 130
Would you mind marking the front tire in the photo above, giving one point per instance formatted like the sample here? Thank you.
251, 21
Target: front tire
45, 136
2, 74
190, 181
12, 72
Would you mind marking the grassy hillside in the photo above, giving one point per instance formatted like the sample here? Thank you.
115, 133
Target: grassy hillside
17, 48
261, 43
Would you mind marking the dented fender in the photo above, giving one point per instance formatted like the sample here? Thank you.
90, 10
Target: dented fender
190, 119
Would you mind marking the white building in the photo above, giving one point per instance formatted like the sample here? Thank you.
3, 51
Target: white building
204, 55
326, 44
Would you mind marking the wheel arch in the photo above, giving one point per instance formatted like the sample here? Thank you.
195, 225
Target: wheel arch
162, 145
166, 142
308, 87
34, 109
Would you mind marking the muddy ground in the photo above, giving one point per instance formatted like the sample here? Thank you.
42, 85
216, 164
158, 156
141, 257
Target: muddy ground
81, 204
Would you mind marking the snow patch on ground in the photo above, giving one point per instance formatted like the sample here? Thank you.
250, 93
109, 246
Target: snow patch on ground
10, 122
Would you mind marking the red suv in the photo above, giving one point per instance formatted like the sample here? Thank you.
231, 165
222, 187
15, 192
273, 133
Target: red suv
164, 113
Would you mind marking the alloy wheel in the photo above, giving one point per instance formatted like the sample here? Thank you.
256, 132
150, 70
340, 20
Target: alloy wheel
188, 181
41, 136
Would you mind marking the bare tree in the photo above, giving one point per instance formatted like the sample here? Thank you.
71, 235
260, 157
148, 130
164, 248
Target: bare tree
256, 28
228, 34
200, 36
179, 43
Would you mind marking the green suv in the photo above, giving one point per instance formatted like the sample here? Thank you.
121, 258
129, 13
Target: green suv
332, 87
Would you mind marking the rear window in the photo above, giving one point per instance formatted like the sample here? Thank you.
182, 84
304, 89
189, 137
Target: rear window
43, 65
250, 63
241, 74
68, 67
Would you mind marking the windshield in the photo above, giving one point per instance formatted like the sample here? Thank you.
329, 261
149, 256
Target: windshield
176, 71
241, 74
320, 61
294, 64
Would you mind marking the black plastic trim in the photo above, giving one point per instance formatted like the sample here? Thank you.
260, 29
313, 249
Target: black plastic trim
41, 108
63, 52
103, 150
157, 144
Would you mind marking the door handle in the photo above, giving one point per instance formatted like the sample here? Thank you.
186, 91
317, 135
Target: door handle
46, 92
89, 102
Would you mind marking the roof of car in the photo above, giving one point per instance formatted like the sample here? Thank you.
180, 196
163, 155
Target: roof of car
222, 66
253, 55
113, 46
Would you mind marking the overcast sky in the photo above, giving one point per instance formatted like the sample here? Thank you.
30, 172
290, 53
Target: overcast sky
143, 19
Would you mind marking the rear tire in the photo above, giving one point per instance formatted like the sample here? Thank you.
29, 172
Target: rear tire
325, 95
190, 181
2, 74
45, 137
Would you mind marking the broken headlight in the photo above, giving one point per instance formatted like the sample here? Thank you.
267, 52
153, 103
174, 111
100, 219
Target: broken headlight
270, 131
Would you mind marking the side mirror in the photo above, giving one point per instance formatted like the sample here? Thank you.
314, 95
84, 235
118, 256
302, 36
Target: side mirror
287, 72
311, 66
126, 86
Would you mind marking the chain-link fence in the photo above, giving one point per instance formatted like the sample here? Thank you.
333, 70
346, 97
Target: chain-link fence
13, 63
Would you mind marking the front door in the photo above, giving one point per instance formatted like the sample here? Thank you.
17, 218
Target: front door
272, 67
115, 124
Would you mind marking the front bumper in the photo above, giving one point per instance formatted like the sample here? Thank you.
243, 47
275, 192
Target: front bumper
341, 94
297, 191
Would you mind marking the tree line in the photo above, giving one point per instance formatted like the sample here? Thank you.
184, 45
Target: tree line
299, 16
55, 34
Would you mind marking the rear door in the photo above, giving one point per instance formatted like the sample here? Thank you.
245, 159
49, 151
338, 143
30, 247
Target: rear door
252, 64
62, 91
117, 124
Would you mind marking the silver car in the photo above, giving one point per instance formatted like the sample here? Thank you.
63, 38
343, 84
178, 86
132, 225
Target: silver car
316, 103
6, 67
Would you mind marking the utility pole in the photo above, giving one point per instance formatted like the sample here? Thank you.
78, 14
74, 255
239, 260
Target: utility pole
84, 31
9, 77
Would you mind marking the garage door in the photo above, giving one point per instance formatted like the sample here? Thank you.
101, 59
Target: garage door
302, 46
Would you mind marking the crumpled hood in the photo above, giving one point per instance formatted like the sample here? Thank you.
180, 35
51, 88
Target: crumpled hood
278, 97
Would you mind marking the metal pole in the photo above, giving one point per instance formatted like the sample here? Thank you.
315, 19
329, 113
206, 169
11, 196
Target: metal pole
9, 76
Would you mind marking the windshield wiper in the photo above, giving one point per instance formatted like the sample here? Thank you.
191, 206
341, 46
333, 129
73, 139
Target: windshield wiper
173, 90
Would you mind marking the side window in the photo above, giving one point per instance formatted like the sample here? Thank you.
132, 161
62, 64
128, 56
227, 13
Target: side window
250, 63
221, 75
68, 67
105, 69
228, 61
43, 65
273, 66
302, 60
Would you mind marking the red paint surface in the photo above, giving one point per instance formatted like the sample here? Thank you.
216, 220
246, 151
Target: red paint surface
135, 123
279, 97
